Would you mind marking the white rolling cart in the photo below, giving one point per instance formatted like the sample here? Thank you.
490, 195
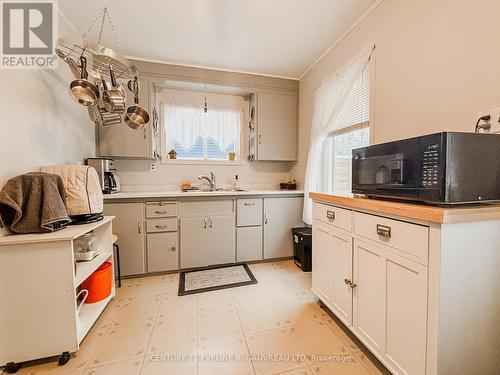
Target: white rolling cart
39, 282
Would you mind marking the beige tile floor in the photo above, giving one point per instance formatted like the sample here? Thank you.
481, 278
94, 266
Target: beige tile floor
273, 327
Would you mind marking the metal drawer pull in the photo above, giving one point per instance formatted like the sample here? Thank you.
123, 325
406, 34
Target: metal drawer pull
172, 248
330, 215
210, 222
384, 231
350, 283
249, 204
161, 212
205, 223
161, 226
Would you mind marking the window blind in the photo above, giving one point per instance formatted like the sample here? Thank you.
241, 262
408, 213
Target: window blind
356, 110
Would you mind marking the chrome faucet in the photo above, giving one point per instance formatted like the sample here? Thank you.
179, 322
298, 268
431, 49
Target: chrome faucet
210, 179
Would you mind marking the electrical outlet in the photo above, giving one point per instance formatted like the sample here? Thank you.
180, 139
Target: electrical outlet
152, 166
494, 121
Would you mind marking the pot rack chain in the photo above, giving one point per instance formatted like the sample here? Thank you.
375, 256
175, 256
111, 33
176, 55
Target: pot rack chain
101, 18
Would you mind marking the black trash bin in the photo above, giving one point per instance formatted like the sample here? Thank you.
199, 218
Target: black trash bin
302, 245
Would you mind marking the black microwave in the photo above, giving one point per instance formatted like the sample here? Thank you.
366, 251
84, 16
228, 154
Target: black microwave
442, 168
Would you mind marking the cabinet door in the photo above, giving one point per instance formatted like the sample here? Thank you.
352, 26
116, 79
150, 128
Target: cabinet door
406, 314
280, 216
322, 263
127, 225
195, 245
341, 268
122, 141
248, 244
207, 241
276, 126
332, 266
163, 252
369, 295
222, 243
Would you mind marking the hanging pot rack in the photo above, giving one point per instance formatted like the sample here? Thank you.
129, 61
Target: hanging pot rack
99, 57
101, 77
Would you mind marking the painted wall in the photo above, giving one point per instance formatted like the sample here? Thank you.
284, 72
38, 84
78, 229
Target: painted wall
437, 65
41, 124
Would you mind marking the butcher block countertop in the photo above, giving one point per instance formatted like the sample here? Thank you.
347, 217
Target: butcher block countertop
412, 211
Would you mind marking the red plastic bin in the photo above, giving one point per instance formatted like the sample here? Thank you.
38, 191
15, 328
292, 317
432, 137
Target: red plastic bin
99, 284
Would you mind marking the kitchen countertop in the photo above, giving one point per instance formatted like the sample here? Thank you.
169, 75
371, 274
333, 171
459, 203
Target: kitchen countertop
193, 194
433, 214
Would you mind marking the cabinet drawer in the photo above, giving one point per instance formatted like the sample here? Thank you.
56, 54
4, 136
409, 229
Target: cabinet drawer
161, 225
163, 252
407, 237
338, 217
206, 207
249, 212
161, 209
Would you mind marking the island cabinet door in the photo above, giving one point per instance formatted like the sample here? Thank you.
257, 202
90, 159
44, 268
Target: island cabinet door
390, 307
332, 270
369, 288
406, 315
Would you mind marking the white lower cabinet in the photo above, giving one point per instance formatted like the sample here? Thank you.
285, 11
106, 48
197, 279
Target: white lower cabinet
390, 306
378, 292
369, 279
207, 240
280, 216
332, 270
248, 244
162, 252
406, 314
128, 225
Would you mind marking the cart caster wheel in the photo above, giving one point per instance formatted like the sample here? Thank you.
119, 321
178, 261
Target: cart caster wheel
12, 368
64, 358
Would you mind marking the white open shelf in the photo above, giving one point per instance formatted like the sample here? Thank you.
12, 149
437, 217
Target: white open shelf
86, 268
89, 313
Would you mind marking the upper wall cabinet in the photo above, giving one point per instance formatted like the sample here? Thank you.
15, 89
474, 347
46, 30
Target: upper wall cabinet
120, 141
274, 134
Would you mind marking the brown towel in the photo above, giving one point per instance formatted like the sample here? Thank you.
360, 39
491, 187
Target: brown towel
33, 203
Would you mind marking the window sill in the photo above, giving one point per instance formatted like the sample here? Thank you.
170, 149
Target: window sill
203, 162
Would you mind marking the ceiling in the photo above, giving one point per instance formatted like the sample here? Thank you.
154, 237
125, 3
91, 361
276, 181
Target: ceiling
272, 37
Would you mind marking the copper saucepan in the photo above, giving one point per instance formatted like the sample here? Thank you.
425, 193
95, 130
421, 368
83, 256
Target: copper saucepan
82, 90
136, 116
113, 97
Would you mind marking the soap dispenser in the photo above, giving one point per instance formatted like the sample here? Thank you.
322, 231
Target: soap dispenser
236, 183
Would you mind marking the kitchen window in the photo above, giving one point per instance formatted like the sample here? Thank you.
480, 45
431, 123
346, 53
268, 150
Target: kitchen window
196, 134
201, 126
352, 131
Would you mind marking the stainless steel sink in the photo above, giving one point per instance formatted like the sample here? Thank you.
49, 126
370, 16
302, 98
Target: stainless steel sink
213, 191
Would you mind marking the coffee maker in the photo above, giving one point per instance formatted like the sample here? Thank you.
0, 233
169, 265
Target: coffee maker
108, 175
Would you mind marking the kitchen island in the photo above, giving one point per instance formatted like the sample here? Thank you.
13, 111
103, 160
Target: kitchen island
418, 285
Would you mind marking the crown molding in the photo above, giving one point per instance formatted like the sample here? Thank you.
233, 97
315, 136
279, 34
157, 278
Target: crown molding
162, 61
